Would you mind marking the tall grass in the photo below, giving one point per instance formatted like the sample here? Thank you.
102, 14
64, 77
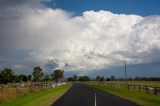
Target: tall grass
40, 98
9, 93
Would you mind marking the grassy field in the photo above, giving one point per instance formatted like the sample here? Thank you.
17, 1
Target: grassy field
143, 83
140, 98
41, 98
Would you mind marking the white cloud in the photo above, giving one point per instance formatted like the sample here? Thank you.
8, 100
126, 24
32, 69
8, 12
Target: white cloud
17, 66
92, 41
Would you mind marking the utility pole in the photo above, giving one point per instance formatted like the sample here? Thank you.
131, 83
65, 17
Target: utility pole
125, 70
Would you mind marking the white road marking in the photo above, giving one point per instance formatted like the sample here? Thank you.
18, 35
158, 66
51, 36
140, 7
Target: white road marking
95, 103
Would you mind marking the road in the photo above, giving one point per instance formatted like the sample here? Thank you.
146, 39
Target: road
82, 95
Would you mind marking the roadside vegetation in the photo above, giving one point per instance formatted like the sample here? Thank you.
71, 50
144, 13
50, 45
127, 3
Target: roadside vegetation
140, 98
13, 86
143, 83
39, 88
76, 78
7, 76
41, 98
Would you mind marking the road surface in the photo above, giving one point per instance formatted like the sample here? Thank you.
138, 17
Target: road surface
82, 95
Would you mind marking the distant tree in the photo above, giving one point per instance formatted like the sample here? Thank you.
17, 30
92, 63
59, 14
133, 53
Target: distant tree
84, 78
6, 76
70, 79
130, 78
75, 77
98, 78
153, 79
144, 79
37, 73
136, 78
20, 77
47, 78
147, 79
25, 78
102, 78
29, 77
108, 79
52, 76
57, 74
16, 79
112, 77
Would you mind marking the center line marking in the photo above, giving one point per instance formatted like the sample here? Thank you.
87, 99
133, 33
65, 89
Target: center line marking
95, 104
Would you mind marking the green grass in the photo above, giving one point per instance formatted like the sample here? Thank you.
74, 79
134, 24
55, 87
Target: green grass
140, 98
41, 98
143, 83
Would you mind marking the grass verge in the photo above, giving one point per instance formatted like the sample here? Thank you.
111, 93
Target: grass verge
41, 98
140, 98
142, 83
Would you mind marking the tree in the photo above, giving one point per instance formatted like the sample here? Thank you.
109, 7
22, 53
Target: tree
70, 79
7, 76
102, 78
47, 78
20, 77
29, 77
112, 77
25, 78
16, 79
130, 78
98, 78
75, 77
37, 73
108, 79
84, 78
57, 74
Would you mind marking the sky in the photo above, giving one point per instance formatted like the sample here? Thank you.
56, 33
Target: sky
138, 7
88, 37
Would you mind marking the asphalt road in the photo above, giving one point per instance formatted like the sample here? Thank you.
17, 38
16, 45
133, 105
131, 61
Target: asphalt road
82, 95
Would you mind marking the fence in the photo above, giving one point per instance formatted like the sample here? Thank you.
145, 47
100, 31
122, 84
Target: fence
13, 90
135, 87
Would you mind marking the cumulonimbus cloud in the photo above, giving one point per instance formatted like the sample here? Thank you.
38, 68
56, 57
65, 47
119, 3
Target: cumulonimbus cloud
95, 40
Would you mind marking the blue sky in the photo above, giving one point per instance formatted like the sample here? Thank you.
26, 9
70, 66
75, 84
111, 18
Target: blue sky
138, 7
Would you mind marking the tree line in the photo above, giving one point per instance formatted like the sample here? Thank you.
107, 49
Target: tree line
78, 78
111, 78
8, 76
87, 78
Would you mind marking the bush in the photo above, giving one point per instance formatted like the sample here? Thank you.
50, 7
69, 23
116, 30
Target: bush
70, 79
83, 78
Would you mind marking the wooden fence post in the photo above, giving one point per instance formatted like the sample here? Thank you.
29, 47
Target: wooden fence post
17, 88
1, 91
146, 89
30, 88
134, 87
139, 88
155, 91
